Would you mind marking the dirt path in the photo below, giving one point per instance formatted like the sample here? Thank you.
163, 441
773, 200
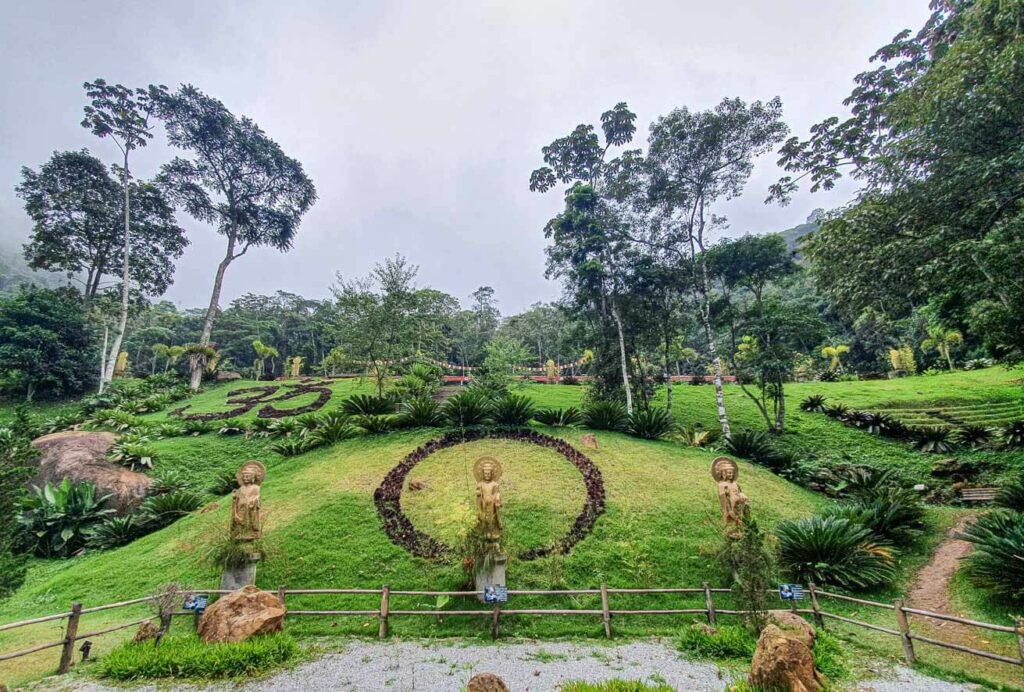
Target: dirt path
931, 589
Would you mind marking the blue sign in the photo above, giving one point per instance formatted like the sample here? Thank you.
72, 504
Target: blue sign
196, 603
496, 594
791, 592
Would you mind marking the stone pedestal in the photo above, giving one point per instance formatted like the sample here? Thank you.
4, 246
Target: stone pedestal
234, 578
495, 576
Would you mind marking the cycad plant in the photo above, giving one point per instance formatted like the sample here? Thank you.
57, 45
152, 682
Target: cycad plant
1013, 435
161, 510
1011, 494
57, 519
513, 409
114, 532
559, 417
421, 412
995, 563
650, 423
754, 445
471, 407
974, 436
936, 440
834, 551
367, 405
605, 415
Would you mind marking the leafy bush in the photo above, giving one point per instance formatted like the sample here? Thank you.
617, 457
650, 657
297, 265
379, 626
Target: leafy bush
559, 417
895, 516
421, 412
974, 436
838, 411
195, 428
291, 447
860, 482
725, 641
754, 445
162, 510
188, 657
283, 427
133, 452
513, 409
377, 425
261, 427
335, 430
813, 404
471, 407
232, 427
170, 430
114, 532
834, 551
1011, 494
224, 483
56, 520
367, 405
696, 436
995, 563
115, 419
307, 424
605, 415
891, 427
937, 440
169, 481
1013, 435
650, 424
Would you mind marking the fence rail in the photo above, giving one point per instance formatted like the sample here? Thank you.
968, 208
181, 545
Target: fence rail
495, 613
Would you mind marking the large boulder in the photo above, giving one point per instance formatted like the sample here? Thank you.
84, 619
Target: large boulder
486, 682
81, 457
793, 625
783, 661
240, 615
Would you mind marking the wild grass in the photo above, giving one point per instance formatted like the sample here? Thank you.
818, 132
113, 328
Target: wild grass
186, 656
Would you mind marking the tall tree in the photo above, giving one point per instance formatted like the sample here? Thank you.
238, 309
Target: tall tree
122, 115
239, 180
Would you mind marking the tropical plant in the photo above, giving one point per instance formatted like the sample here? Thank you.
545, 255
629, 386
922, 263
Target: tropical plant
186, 656
133, 452
973, 436
942, 341
263, 351
195, 428
377, 425
291, 447
650, 423
283, 427
837, 411
223, 483
161, 510
813, 404
934, 440
367, 405
513, 409
56, 519
168, 430
307, 424
995, 563
114, 532
471, 407
978, 364
559, 417
724, 641
860, 482
169, 481
333, 432
1013, 435
261, 427
421, 412
754, 445
1011, 494
605, 415
895, 516
232, 426
891, 427
834, 354
834, 551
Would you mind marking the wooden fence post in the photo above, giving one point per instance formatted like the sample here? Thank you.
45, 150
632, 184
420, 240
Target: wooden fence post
709, 604
281, 591
605, 614
495, 619
385, 608
908, 643
816, 607
67, 653
1020, 639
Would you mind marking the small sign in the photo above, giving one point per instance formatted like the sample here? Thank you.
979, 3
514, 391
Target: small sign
196, 603
496, 594
791, 592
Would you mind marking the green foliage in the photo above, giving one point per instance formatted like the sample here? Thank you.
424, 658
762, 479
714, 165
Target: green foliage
834, 551
332, 430
223, 483
605, 415
559, 417
133, 452
15, 456
513, 409
612, 686
813, 404
754, 445
186, 657
995, 563
114, 532
56, 520
161, 510
471, 407
291, 447
377, 425
861, 482
695, 435
650, 423
195, 428
283, 427
751, 561
367, 405
1011, 494
830, 656
421, 412
724, 641
421, 380
1013, 435
937, 440
973, 436
892, 516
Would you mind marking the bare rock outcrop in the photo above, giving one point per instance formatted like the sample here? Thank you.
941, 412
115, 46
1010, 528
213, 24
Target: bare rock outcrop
82, 457
240, 615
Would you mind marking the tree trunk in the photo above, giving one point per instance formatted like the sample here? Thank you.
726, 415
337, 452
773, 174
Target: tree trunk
196, 375
30, 391
780, 414
668, 376
705, 314
103, 354
949, 358
122, 317
622, 359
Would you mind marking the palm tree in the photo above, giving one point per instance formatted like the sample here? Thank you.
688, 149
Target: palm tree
834, 353
262, 353
942, 341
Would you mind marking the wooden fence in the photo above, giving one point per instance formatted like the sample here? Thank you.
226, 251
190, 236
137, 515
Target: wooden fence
384, 613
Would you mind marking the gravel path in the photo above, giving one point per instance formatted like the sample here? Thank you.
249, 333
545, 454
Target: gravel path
526, 667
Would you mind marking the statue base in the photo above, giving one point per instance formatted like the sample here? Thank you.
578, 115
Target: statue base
495, 576
234, 578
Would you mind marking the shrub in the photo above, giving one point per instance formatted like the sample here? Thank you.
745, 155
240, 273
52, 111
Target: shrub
283, 427
291, 447
115, 419
860, 482
974, 436
891, 427
832, 550
188, 657
838, 411
894, 516
377, 425
367, 405
232, 427
1011, 495
937, 440
570, 380
195, 428
513, 409
650, 423
261, 427
114, 532
813, 404
307, 423
1013, 435
133, 452
169, 430
162, 510
613, 686
995, 563
605, 415
57, 519
421, 412
334, 431
754, 445
559, 417
471, 407
223, 483
169, 481
725, 641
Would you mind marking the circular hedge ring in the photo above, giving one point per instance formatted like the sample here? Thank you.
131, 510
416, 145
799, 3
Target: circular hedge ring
401, 531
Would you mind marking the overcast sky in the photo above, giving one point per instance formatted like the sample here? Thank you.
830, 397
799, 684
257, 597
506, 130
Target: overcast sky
420, 122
